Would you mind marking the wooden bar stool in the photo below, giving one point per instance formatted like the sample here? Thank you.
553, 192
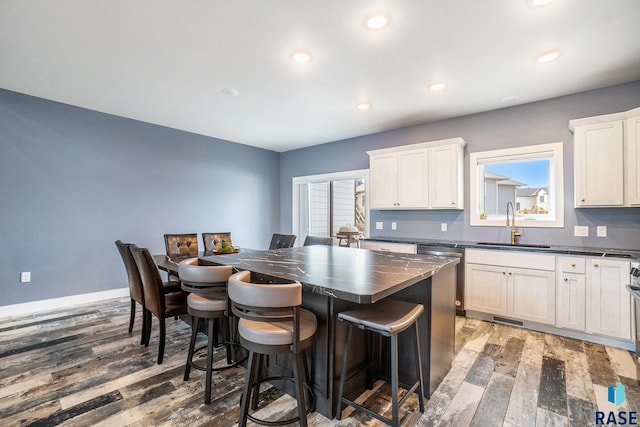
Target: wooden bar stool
272, 322
207, 301
387, 318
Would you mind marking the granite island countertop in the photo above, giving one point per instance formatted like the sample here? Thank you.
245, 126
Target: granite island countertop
632, 254
356, 275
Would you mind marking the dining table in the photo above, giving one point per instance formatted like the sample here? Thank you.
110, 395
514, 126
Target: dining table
336, 279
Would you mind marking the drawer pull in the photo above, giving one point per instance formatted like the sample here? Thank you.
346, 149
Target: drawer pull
566, 280
573, 264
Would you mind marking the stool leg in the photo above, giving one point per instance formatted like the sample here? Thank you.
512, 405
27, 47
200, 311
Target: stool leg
343, 372
246, 390
369, 350
227, 337
210, 343
192, 344
419, 370
394, 380
299, 379
256, 386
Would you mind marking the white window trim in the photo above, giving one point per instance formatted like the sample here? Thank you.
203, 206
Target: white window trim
552, 151
336, 176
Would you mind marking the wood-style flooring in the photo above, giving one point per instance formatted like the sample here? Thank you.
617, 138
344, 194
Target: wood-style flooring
81, 367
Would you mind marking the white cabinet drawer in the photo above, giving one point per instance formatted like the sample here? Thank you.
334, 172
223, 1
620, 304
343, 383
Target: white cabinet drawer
403, 248
571, 265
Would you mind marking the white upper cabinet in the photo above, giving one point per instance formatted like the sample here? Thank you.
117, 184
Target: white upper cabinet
605, 160
632, 138
419, 176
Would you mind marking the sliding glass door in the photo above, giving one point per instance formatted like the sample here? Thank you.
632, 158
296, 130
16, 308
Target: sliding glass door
324, 203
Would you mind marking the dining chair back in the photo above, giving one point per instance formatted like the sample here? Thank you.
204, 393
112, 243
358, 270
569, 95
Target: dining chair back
213, 241
135, 285
181, 245
156, 300
317, 240
279, 241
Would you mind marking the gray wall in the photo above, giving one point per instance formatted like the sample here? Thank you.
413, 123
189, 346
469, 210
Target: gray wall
530, 124
73, 181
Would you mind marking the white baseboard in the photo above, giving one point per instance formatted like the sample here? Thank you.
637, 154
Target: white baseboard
63, 302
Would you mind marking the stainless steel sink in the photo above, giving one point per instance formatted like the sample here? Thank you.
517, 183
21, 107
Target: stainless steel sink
517, 245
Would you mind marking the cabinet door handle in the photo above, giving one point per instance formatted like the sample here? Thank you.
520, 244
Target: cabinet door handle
504, 272
582, 200
453, 203
573, 264
566, 280
595, 265
510, 273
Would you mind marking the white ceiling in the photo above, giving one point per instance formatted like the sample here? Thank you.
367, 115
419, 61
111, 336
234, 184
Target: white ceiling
168, 62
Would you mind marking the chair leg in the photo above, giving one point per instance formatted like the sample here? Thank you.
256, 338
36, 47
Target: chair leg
419, 370
162, 337
192, 345
133, 314
394, 380
144, 327
300, 379
343, 373
246, 391
147, 332
210, 344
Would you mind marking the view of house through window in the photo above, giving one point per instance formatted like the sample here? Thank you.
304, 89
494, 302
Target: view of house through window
524, 183
530, 177
324, 203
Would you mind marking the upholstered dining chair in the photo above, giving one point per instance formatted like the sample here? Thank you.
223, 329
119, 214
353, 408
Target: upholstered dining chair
317, 240
135, 286
212, 241
162, 305
181, 245
279, 241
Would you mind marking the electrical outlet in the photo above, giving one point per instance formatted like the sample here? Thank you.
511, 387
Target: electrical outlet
25, 277
581, 231
443, 226
379, 225
394, 225
601, 231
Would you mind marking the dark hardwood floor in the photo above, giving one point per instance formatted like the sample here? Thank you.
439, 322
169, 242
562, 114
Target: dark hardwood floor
81, 367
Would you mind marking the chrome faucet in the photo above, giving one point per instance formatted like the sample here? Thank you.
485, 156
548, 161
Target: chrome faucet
514, 234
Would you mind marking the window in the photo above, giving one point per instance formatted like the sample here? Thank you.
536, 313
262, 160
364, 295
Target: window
324, 203
529, 177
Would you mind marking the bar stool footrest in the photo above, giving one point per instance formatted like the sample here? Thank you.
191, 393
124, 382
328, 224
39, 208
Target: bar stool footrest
310, 407
227, 344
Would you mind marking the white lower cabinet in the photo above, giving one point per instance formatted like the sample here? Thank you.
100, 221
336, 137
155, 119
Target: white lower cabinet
571, 293
502, 283
581, 294
608, 301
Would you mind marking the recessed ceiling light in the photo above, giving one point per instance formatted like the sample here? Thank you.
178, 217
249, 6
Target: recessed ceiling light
300, 56
364, 106
437, 86
376, 21
549, 56
231, 92
538, 3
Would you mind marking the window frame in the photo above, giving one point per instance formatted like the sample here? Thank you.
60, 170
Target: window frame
551, 151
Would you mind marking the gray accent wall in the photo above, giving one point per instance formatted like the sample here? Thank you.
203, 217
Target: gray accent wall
72, 181
530, 124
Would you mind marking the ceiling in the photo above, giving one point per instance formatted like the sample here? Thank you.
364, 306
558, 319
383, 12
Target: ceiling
179, 63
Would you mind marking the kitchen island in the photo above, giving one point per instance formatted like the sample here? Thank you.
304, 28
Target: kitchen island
336, 279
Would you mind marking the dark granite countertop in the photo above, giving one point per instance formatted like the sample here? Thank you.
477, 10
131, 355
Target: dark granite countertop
350, 274
633, 254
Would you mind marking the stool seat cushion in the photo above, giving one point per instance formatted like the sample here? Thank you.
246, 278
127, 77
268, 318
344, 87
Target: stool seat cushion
277, 333
210, 303
387, 316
